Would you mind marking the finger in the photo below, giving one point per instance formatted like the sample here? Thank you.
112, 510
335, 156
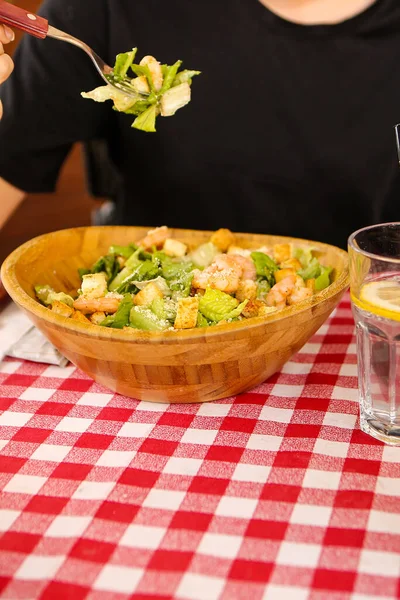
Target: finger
6, 67
1, 49
6, 34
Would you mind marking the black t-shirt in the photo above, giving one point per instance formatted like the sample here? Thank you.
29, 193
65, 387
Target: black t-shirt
290, 128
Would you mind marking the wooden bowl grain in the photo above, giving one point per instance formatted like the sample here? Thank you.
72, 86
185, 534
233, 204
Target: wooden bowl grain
196, 365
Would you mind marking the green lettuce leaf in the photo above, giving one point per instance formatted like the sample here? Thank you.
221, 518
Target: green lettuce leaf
138, 108
108, 264
185, 77
47, 296
158, 281
204, 255
216, 305
323, 280
264, 264
236, 312
169, 75
147, 120
303, 255
108, 321
312, 270
82, 272
121, 317
182, 285
145, 271
265, 267
164, 309
145, 319
42, 292
144, 105
141, 70
124, 251
131, 264
122, 102
174, 270
263, 287
123, 62
202, 321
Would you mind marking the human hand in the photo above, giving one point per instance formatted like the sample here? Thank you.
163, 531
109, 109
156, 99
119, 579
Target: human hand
6, 64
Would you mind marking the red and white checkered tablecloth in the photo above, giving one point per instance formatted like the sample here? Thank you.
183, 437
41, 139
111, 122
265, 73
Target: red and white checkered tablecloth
272, 495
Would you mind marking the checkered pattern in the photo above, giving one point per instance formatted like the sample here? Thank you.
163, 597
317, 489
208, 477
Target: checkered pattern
273, 494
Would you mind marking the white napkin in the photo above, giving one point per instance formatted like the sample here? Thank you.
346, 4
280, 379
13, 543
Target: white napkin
20, 339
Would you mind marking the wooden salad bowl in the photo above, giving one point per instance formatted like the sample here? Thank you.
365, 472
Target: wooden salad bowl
194, 365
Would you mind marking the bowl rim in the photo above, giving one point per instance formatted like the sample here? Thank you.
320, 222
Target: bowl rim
24, 300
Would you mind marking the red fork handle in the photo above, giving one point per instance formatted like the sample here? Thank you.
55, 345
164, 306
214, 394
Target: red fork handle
19, 18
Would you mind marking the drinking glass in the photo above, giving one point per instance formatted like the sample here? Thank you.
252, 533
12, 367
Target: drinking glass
374, 255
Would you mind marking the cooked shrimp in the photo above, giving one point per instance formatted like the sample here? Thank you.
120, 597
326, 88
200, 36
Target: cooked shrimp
93, 305
280, 291
247, 265
225, 273
225, 279
154, 237
299, 294
141, 84
155, 71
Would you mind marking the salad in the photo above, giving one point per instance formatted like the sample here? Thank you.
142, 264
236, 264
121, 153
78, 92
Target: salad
156, 89
159, 283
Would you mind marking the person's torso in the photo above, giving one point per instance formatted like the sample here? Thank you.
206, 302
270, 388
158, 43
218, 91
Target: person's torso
290, 128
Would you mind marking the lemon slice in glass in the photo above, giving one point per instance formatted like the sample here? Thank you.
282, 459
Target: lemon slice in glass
380, 298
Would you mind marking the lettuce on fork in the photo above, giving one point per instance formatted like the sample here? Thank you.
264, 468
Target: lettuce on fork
157, 90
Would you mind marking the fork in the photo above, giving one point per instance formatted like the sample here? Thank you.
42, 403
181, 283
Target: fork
37, 26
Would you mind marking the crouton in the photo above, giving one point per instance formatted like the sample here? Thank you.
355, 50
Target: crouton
282, 273
310, 284
146, 296
255, 308
292, 263
94, 285
247, 290
62, 309
222, 238
299, 282
97, 318
78, 316
186, 314
174, 248
282, 252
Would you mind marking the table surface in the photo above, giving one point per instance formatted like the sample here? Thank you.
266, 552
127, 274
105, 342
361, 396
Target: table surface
273, 494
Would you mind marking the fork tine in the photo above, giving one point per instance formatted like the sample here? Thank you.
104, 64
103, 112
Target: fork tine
123, 86
103, 69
